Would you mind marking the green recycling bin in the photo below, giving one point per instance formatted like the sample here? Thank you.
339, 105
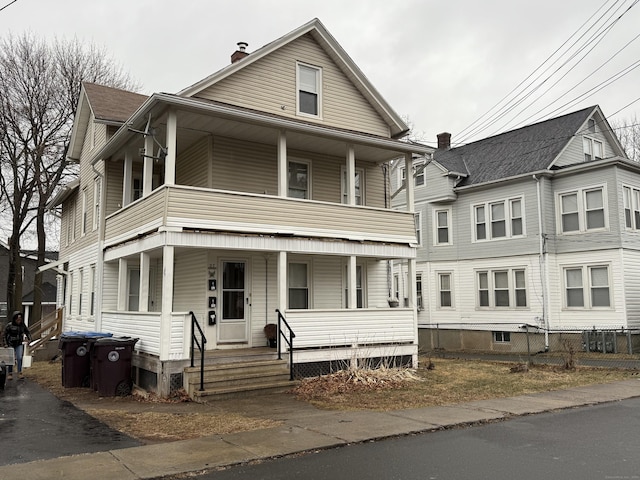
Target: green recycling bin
111, 365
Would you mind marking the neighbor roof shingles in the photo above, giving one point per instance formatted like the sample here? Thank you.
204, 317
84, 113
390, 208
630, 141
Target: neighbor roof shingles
527, 149
112, 104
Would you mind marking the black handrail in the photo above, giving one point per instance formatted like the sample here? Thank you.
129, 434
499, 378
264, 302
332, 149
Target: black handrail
289, 341
200, 344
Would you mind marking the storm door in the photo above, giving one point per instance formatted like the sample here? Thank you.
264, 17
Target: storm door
234, 302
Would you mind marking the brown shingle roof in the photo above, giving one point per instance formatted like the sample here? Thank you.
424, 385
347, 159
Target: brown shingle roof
112, 104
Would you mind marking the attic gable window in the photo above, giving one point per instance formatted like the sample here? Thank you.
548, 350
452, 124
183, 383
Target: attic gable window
309, 82
593, 149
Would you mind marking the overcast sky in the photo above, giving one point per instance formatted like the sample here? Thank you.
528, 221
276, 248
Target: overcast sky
441, 64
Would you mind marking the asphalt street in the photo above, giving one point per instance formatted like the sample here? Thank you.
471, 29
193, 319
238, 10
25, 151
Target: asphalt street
36, 425
600, 442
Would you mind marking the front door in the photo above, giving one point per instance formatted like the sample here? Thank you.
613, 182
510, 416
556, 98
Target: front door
234, 303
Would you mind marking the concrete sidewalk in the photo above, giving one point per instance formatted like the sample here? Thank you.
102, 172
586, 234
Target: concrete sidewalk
305, 428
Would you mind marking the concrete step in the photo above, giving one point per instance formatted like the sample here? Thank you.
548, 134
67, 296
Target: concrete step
212, 394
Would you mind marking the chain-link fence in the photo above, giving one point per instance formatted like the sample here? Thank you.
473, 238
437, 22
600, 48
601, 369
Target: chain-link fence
590, 346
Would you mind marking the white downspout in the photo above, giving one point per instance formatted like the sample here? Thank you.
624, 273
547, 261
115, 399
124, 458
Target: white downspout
542, 258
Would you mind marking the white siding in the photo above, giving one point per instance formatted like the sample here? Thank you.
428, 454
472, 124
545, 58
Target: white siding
631, 262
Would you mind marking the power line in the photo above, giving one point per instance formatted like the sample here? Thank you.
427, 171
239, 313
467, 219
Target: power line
8, 4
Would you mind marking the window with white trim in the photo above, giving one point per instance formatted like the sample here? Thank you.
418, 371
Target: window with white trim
582, 210
501, 288
85, 213
133, 296
298, 285
71, 279
309, 90
442, 227
92, 289
360, 276
299, 179
593, 149
502, 337
396, 286
358, 183
498, 220
445, 290
419, 173
418, 221
80, 289
97, 191
419, 300
591, 125
631, 199
587, 286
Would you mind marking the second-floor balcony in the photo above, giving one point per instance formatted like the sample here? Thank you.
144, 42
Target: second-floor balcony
185, 208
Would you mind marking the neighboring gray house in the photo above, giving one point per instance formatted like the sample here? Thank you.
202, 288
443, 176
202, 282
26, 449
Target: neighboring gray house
539, 226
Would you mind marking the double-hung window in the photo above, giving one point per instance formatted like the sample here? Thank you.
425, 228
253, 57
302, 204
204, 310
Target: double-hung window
442, 228
358, 184
587, 286
631, 198
309, 90
359, 287
298, 286
418, 220
593, 149
419, 174
419, 301
502, 288
497, 220
299, 179
97, 191
445, 290
582, 210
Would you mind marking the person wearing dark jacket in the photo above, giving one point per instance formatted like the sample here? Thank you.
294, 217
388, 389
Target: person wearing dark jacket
14, 334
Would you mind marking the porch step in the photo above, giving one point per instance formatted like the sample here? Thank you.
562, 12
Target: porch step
238, 377
242, 390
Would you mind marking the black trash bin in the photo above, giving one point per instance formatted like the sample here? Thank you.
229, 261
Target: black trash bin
76, 366
111, 365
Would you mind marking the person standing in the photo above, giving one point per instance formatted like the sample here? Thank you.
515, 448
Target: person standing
14, 334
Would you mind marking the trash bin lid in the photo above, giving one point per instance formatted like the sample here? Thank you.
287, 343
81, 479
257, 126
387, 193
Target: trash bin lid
122, 341
76, 334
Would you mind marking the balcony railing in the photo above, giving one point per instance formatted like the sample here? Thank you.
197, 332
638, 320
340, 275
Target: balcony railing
181, 207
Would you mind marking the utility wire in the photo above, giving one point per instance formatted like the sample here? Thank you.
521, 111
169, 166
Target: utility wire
8, 4
466, 131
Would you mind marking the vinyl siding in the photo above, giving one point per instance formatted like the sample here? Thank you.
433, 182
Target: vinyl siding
192, 166
631, 263
574, 152
190, 283
269, 84
585, 318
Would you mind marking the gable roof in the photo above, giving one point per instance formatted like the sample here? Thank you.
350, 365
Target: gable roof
525, 150
108, 105
318, 31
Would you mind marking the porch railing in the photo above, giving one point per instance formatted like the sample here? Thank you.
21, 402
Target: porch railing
45, 329
289, 340
200, 343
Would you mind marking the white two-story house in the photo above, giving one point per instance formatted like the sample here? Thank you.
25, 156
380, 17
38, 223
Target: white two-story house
262, 187
537, 226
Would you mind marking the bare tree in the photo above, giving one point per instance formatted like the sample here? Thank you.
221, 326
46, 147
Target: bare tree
628, 131
40, 84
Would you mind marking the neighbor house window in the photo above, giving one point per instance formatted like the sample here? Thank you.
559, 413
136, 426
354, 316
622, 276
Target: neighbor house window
419, 175
445, 293
582, 210
358, 183
593, 149
501, 219
502, 288
587, 286
137, 189
501, 337
396, 286
299, 179
420, 303
418, 221
298, 286
92, 289
71, 279
80, 289
97, 191
631, 198
309, 90
591, 125
442, 227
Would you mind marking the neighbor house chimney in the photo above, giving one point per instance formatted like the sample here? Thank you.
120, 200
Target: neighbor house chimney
444, 141
240, 53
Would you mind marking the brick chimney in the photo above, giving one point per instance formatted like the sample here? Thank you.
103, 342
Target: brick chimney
444, 141
240, 53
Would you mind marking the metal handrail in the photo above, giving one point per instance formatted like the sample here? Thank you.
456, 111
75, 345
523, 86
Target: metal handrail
289, 341
201, 344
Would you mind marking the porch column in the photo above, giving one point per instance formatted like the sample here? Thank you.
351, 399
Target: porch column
408, 168
143, 304
171, 142
352, 300
282, 281
412, 293
167, 302
147, 170
122, 284
351, 175
283, 170
127, 178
